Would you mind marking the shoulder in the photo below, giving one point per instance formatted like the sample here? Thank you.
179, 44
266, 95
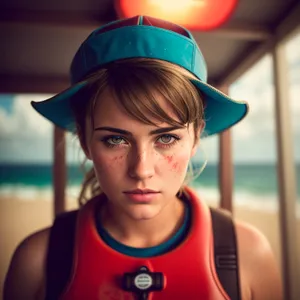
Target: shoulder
26, 273
258, 268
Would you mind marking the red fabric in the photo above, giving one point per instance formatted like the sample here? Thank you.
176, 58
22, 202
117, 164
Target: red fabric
188, 269
165, 25
147, 21
122, 23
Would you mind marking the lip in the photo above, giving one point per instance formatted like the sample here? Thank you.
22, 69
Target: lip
141, 191
141, 195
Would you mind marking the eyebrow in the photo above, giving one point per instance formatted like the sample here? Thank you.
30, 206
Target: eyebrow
125, 132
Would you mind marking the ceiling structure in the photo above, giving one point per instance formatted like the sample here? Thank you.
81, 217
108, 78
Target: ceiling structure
40, 38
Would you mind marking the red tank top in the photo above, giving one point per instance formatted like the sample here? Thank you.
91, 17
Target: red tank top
188, 270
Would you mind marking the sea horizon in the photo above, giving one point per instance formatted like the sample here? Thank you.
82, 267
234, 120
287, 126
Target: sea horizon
251, 180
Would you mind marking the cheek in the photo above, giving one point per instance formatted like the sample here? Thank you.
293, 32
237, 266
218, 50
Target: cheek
177, 163
108, 163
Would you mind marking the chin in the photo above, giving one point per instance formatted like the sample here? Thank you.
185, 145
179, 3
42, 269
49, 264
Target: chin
143, 213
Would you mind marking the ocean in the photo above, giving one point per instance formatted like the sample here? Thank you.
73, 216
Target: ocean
251, 181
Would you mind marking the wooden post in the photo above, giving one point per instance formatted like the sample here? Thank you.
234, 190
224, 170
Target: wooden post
286, 176
225, 166
59, 171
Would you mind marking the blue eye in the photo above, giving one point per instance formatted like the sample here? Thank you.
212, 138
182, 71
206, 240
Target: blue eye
168, 140
113, 141
163, 141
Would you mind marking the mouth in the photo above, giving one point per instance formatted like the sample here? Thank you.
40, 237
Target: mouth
141, 191
141, 196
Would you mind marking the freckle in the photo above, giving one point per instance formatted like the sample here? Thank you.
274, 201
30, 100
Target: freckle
120, 157
174, 166
169, 158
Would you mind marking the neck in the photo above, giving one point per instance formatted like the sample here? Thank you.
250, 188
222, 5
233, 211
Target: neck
143, 233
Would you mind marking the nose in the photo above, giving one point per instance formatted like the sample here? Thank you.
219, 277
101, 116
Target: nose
141, 164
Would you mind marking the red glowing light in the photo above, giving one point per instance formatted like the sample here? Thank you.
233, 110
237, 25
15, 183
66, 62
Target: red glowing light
192, 14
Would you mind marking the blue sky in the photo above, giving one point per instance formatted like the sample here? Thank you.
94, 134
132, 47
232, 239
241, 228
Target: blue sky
27, 137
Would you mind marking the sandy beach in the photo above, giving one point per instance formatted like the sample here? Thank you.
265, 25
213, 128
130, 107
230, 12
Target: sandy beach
19, 218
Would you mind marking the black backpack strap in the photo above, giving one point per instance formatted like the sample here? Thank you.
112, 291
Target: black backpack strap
60, 250
225, 253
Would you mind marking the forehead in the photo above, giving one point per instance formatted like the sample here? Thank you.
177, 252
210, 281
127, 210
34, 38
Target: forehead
108, 110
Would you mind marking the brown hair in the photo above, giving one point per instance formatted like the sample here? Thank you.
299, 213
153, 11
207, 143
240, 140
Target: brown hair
136, 83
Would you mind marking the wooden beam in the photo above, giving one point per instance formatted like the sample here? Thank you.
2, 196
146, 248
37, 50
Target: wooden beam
225, 171
225, 166
282, 32
286, 176
59, 171
48, 18
239, 31
32, 84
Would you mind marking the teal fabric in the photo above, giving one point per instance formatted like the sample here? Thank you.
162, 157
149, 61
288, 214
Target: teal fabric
138, 41
123, 42
174, 241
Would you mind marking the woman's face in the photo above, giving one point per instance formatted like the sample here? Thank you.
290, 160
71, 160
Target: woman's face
139, 167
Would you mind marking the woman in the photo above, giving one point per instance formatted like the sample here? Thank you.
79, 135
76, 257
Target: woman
139, 103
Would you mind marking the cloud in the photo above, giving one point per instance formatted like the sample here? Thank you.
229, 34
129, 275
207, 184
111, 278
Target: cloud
26, 136
24, 122
255, 137
257, 76
258, 92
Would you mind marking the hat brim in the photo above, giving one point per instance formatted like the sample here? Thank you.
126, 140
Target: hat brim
221, 112
57, 109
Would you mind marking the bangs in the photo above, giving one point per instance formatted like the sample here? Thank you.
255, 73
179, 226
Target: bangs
141, 88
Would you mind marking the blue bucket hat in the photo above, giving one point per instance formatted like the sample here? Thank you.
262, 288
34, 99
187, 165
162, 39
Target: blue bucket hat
146, 37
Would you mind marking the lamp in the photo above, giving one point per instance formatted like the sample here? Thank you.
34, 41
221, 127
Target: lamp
192, 14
